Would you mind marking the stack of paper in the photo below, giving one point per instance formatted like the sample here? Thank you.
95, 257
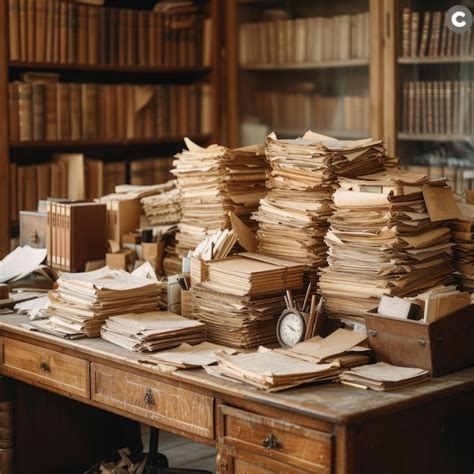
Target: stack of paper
132, 191
271, 370
187, 356
382, 377
153, 331
293, 217
463, 237
238, 321
205, 205
244, 180
216, 246
214, 181
387, 236
253, 274
83, 301
163, 208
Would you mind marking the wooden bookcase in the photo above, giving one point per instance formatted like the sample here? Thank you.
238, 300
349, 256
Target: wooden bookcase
245, 81
28, 151
417, 107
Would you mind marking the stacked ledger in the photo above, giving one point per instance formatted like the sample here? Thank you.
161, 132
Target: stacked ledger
243, 297
463, 237
385, 237
83, 301
214, 181
152, 331
163, 207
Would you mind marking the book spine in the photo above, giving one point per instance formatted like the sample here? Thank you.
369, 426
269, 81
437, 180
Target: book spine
63, 32
40, 30
13, 111
93, 35
72, 32
51, 112
39, 110
14, 29
25, 112
49, 46
30, 25
75, 111
82, 34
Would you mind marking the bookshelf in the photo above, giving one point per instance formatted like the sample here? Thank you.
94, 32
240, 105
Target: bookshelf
94, 62
429, 90
278, 78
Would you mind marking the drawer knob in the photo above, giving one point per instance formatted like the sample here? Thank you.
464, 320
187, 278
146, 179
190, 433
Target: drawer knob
44, 366
270, 442
148, 398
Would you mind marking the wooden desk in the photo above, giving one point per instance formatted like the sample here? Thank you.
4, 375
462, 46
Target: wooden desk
324, 428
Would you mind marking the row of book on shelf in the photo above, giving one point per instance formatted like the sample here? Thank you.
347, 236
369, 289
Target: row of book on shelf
51, 110
303, 110
424, 34
301, 40
438, 107
73, 176
171, 35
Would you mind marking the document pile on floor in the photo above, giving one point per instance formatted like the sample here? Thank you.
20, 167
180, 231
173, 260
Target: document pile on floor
83, 301
152, 331
243, 296
314, 360
387, 235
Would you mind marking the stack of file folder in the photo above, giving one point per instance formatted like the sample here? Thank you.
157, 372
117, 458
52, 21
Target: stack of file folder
463, 237
384, 239
152, 331
293, 216
213, 182
243, 296
83, 301
163, 208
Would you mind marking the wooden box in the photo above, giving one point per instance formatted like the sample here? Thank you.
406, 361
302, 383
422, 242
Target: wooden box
33, 229
442, 346
123, 259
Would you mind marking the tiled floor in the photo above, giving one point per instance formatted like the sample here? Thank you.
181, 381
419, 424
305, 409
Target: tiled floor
183, 453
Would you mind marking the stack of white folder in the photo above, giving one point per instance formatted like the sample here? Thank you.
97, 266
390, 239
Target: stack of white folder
387, 235
83, 301
152, 331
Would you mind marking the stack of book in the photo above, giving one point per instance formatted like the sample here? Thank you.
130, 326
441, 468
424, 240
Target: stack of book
164, 207
304, 40
463, 237
303, 107
83, 301
425, 34
243, 296
431, 107
152, 331
84, 111
388, 235
71, 32
293, 216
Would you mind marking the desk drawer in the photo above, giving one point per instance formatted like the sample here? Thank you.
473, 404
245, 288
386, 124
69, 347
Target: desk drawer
159, 401
305, 448
56, 370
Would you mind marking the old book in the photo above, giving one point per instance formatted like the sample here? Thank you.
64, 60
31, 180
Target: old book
49, 41
406, 25
20, 188
13, 111
13, 192
425, 35
82, 34
435, 36
23, 28
152, 39
25, 112
30, 188
55, 5
63, 32
39, 110
132, 37
43, 181
89, 96
72, 32
122, 36
63, 111
76, 111
51, 112
93, 35
105, 44
14, 29
414, 39
40, 30
72, 170
142, 37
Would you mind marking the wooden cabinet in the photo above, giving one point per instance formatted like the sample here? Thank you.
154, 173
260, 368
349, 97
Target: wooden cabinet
58, 371
278, 443
160, 402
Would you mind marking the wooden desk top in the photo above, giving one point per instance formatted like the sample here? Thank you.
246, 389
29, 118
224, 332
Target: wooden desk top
327, 401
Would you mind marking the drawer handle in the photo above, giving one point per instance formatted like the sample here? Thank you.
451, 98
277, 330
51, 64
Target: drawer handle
44, 366
148, 398
270, 442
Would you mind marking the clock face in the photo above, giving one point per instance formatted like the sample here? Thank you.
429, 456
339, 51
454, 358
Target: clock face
291, 328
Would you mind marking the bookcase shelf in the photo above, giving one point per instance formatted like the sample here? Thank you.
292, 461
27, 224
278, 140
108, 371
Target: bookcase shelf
346, 63
80, 144
436, 60
417, 137
108, 68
